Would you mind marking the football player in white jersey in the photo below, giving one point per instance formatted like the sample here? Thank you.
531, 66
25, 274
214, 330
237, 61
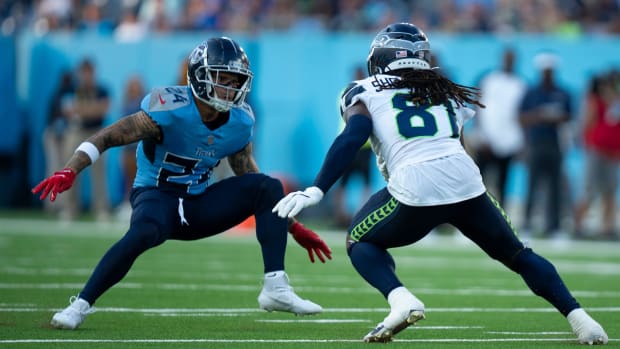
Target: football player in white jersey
183, 133
414, 117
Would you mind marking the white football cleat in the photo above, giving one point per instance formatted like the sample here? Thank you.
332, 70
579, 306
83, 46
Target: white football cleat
278, 295
405, 311
73, 315
588, 331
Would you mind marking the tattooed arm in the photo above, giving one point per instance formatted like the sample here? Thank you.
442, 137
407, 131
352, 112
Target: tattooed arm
243, 162
127, 130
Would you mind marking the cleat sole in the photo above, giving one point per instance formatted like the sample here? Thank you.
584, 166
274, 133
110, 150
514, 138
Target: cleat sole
387, 335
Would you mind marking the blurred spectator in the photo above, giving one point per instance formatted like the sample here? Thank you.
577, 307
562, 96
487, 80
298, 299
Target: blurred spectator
202, 15
280, 15
160, 15
360, 167
93, 21
87, 110
544, 109
569, 17
243, 15
314, 16
130, 29
55, 132
601, 136
53, 15
348, 17
498, 132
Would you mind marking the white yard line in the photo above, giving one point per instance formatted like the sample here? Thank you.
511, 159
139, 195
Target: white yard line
254, 288
438, 340
18, 309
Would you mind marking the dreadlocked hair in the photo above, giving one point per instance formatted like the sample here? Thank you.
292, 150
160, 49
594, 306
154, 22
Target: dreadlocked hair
430, 87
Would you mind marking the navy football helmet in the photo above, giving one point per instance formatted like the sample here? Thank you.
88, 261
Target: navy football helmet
399, 46
207, 61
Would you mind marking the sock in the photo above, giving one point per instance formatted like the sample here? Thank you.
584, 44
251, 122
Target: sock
401, 294
274, 274
276, 279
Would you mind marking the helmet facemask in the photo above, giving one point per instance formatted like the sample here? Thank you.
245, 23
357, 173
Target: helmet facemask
209, 77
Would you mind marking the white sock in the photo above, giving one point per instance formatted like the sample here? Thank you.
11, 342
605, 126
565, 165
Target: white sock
400, 294
274, 274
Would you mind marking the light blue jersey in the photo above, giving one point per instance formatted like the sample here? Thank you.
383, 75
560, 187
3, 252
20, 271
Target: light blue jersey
185, 157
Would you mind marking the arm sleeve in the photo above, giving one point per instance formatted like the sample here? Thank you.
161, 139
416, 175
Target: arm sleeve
343, 150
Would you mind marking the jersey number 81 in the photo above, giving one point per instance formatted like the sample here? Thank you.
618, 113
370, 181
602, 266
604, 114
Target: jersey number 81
428, 126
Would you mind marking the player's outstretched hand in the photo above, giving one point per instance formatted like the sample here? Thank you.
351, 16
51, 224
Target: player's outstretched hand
55, 184
294, 202
311, 242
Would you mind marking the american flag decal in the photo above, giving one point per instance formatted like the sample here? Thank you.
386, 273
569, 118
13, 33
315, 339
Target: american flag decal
401, 54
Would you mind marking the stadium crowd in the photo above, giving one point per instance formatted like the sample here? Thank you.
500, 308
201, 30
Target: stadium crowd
132, 19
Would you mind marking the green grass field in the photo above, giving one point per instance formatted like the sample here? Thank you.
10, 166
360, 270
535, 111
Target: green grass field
203, 294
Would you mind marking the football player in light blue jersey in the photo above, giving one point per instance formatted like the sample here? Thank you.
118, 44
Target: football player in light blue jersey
414, 117
183, 133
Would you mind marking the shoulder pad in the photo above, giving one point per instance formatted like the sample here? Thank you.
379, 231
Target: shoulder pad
246, 108
168, 98
347, 97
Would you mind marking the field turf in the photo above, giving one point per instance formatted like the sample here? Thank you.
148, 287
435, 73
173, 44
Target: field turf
203, 294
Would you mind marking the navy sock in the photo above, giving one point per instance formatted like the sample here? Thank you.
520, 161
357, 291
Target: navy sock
543, 279
375, 265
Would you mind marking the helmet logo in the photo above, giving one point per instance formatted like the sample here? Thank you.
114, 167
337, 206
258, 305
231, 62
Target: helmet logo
380, 40
197, 54
401, 54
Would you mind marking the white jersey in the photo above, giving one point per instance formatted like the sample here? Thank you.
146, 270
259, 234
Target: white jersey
418, 148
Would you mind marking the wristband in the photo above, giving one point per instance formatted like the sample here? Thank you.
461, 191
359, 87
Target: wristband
90, 150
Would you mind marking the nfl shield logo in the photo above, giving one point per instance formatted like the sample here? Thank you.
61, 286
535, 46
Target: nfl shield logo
401, 54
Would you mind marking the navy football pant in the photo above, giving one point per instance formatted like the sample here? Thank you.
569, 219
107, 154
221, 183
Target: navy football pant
384, 223
158, 216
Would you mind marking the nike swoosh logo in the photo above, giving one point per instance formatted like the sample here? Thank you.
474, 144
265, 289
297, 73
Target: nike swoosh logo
271, 275
161, 100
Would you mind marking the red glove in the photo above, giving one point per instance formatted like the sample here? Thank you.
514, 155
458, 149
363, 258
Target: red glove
55, 184
310, 241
